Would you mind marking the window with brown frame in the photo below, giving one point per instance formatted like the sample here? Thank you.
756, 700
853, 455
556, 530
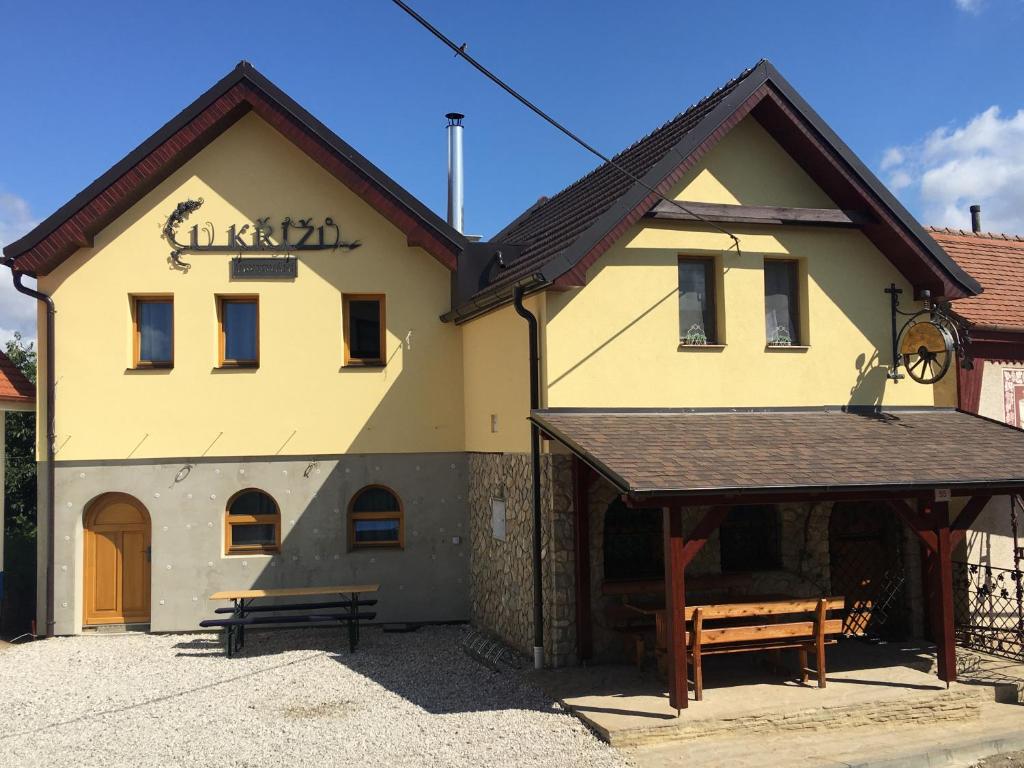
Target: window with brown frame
376, 519
238, 320
152, 332
252, 523
365, 328
782, 303
698, 323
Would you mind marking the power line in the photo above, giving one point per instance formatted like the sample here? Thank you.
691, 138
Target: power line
460, 50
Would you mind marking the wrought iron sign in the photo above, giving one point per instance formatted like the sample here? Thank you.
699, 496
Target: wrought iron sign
291, 235
928, 342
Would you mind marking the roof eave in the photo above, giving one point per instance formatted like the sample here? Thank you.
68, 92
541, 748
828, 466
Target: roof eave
244, 72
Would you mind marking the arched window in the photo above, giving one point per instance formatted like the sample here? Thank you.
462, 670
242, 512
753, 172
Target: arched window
252, 523
375, 519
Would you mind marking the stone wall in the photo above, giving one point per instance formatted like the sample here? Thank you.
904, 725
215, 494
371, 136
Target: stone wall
804, 573
501, 571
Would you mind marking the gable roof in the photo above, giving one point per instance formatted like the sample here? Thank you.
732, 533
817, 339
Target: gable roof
559, 238
241, 91
997, 261
14, 385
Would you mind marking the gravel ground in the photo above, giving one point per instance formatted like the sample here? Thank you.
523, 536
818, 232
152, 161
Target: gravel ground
1009, 760
293, 698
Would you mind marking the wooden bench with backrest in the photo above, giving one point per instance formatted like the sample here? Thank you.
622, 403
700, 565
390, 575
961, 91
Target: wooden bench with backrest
632, 615
801, 624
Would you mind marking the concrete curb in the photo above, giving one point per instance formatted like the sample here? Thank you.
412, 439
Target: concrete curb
956, 754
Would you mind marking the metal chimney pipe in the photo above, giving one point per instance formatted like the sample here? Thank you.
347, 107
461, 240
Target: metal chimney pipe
455, 189
976, 218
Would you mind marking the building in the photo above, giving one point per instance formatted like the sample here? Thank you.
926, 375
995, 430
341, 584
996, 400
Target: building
17, 393
277, 367
994, 386
991, 591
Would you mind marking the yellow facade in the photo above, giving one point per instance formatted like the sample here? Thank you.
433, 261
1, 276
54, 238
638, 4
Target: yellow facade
612, 343
300, 400
615, 341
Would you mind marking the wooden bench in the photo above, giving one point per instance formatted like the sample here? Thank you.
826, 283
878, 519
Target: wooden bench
801, 624
244, 614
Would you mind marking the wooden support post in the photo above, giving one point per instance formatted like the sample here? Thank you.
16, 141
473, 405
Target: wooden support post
675, 608
943, 575
581, 507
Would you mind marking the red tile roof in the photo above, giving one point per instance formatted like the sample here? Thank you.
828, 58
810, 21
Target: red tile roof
14, 386
997, 262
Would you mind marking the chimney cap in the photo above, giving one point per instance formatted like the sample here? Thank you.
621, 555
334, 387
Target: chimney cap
454, 118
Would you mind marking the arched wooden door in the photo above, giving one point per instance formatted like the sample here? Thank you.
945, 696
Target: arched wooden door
117, 557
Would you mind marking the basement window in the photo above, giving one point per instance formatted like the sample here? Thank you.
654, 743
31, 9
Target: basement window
252, 524
375, 519
365, 329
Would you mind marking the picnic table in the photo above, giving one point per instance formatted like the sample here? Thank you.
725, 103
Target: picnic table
244, 612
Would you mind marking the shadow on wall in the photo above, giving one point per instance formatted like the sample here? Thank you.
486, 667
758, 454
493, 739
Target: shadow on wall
416, 387
852, 291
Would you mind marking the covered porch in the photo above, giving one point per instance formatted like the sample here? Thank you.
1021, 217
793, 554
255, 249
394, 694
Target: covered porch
931, 469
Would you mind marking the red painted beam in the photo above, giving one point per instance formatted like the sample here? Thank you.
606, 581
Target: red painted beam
702, 532
918, 520
943, 574
675, 608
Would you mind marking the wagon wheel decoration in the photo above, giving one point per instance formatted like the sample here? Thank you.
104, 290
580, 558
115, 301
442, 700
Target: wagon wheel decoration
927, 349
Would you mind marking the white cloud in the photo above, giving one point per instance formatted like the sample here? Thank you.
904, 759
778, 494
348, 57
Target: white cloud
893, 156
953, 167
17, 311
970, 6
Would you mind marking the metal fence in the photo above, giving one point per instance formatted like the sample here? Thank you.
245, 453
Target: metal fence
989, 609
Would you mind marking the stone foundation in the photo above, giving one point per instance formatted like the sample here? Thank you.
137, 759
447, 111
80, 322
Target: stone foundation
502, 570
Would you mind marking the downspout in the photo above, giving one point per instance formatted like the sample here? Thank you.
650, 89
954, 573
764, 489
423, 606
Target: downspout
538, 585
51, 437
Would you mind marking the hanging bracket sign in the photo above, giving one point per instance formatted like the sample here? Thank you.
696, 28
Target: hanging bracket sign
290, 236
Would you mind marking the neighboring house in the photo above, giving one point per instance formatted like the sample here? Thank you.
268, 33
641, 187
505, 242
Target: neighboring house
994, 387
17, 393
363, 413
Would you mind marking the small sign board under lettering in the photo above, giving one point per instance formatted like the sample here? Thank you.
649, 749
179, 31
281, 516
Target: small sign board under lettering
264, 268
942, 494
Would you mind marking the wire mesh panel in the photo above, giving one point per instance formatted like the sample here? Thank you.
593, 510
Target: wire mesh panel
989, 609
866, 554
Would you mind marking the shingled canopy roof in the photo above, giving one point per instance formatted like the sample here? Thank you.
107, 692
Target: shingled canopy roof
787, 452
559, 238
997, 262
14, 385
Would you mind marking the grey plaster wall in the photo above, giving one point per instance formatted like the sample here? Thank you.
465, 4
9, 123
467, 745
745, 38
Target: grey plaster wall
426, 581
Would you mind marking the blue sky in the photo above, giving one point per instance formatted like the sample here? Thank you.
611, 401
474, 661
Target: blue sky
927, 93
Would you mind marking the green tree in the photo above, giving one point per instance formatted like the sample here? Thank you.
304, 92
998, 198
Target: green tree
20, 503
